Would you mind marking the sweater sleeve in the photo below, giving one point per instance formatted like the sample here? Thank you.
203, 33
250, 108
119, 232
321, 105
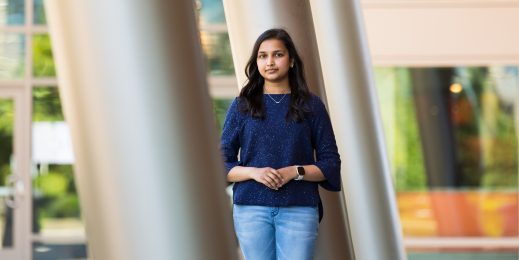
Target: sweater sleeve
323, 139
230, 139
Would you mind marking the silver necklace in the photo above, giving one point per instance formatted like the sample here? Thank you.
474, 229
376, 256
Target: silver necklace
277, 102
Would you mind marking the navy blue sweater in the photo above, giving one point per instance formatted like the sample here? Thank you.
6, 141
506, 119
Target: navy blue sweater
277, 143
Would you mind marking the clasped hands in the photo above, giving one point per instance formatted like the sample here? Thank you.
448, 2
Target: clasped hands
273, 178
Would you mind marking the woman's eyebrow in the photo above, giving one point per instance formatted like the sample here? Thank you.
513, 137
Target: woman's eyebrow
274, 51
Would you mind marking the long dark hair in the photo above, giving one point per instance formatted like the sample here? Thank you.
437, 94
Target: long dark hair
251, 95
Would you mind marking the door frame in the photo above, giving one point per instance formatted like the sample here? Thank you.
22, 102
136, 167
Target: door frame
22, 224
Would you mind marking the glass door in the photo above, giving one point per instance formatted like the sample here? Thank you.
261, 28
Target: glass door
13, 185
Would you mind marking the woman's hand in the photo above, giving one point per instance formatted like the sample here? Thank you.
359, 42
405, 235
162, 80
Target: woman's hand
268, 176
288, 173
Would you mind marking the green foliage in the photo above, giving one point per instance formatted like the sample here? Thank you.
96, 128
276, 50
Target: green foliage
46, 105
499, 178
43, 61
6, 137
486, 136
55, 193
401, 128
52, 184
66, 206
220, 107
57, 196
411, 166
500, 160
217, 52
39, 13
484, 129
6, 116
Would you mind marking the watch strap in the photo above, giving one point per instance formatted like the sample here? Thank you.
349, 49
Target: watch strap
300, 170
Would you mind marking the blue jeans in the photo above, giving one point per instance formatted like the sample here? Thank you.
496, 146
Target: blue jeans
270, 233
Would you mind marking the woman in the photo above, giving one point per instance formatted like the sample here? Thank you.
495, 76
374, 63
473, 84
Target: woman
287, 148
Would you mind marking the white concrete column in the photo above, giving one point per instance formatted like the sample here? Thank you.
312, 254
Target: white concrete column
348, 77
134, 92
246, 20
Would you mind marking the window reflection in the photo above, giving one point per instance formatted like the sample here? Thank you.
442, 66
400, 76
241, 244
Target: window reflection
211, 11
12, 55
220, 107
12, 12
39, 13
6, 170
452, 143
217, 51
56, 205
43, 61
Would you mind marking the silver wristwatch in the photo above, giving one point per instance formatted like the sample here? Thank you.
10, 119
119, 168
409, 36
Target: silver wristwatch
300, 170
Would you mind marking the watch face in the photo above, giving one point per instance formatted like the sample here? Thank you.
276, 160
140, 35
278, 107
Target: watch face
300, 170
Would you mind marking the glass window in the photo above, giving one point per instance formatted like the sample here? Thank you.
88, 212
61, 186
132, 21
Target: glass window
452, 141
12, 12
401, 128
217, 50
43, 61
210, 11
56, 211
39, 13
12, 55
220, 107
6, 169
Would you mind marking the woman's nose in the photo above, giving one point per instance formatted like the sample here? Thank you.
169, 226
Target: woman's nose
270, 61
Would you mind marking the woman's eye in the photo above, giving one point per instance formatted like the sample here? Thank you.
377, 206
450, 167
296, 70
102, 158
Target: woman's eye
279, 54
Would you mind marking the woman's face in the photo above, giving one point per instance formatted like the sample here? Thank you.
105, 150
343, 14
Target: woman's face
273, 61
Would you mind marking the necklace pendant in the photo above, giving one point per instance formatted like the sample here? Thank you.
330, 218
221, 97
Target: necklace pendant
275, 101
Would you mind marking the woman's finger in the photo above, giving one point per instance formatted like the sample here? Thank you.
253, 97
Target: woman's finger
271, 182
276, 175
274, 179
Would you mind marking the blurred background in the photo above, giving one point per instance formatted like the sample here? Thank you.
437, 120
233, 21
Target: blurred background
450, 126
